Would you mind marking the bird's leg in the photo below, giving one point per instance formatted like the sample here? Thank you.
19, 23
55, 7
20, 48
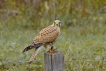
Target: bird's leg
52, 49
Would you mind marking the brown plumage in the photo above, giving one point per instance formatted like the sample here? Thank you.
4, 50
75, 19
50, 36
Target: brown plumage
46, 37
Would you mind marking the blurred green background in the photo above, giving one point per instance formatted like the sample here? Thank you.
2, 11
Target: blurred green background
82, 39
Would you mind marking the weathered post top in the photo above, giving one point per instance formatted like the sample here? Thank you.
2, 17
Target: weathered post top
53, 61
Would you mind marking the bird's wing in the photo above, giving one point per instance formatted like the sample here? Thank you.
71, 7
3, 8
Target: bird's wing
48, 34
33, 45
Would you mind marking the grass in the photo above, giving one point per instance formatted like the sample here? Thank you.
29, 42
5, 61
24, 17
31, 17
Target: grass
82, 39
83, 47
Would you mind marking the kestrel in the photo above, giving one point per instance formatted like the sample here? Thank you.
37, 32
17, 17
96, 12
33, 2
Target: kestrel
46, 37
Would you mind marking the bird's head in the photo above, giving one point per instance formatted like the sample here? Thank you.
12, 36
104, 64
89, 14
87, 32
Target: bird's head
57, 23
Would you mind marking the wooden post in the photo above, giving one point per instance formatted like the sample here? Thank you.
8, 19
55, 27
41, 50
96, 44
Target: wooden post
53, 61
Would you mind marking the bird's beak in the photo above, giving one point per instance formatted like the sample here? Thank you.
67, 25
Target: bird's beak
56, 22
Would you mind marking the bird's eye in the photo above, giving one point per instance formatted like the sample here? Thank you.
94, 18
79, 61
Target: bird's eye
59, 24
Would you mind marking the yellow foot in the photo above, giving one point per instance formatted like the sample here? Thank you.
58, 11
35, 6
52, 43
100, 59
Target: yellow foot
51, 51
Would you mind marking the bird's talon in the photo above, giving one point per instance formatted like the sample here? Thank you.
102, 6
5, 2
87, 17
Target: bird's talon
51, 51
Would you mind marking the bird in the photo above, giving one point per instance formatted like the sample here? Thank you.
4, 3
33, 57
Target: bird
46, 38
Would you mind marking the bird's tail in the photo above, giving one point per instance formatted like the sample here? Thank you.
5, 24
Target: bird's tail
33, 45
34, 54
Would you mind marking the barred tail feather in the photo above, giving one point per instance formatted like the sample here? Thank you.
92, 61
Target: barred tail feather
33, 45
34, 54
